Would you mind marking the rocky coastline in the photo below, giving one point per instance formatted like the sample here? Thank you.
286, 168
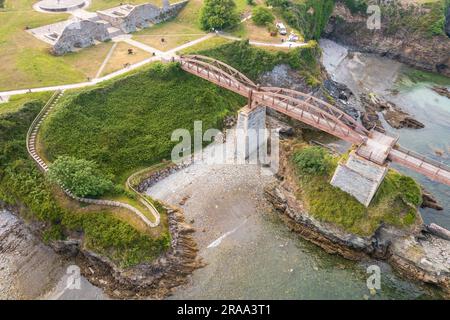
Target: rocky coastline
412, 48
417, 253
154, 280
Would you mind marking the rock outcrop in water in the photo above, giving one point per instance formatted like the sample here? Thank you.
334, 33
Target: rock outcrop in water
441, 91
418, 253
394, 116
412, 48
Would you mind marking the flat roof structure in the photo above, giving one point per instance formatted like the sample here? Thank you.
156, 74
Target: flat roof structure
61, 5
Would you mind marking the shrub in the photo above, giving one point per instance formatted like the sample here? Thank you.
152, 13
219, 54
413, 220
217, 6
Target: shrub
253, 61
250, 2
24, 186
119, 241
218, 14
272, 28
262, 16
80, 176
312, 160
356, 6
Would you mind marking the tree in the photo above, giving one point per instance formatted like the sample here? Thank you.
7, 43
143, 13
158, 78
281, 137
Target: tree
81, 177
218, 14
261, 16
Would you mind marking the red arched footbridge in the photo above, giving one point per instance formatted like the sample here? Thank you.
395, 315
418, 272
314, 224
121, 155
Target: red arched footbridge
372, 145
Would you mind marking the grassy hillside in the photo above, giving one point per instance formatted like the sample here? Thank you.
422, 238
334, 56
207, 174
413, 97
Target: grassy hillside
24, 186
127, 124
395, 202
254, 61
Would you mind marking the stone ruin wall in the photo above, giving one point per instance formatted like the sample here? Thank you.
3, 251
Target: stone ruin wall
142, 15
80, 35
139, 17
84, 33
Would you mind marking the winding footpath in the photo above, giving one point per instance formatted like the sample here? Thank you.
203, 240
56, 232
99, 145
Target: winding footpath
43, 166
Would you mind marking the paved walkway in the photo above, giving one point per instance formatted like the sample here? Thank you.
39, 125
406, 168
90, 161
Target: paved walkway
286, 44
143, 46
159, 55
102, 67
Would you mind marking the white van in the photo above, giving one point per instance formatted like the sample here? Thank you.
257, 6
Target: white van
281, 28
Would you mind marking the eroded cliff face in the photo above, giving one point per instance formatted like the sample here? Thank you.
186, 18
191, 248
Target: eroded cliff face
414, 48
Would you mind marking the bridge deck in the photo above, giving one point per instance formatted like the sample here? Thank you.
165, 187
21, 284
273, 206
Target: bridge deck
374, 146
432, 169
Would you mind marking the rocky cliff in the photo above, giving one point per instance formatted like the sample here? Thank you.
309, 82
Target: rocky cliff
413, 252
404, 35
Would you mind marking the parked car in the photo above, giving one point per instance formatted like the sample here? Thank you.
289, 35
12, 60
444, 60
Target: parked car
281, 28
292, 37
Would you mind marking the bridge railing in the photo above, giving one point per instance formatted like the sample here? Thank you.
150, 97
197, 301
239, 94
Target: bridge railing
221, 66
326, 107
422, 158
309, 114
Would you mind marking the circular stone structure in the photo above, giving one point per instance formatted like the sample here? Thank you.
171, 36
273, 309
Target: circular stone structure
61, 5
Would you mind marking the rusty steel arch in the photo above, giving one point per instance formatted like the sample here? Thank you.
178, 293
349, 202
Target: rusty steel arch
308, 113
325, 106
225, 68
300, 106
312, 111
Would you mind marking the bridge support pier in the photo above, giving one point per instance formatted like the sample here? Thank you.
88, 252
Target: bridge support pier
359, 177
251, 137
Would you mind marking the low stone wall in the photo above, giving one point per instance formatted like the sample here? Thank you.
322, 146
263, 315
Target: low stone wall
160, 175
80, 35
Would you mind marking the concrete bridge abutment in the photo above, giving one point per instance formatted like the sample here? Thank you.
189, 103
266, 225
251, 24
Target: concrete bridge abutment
251, 134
